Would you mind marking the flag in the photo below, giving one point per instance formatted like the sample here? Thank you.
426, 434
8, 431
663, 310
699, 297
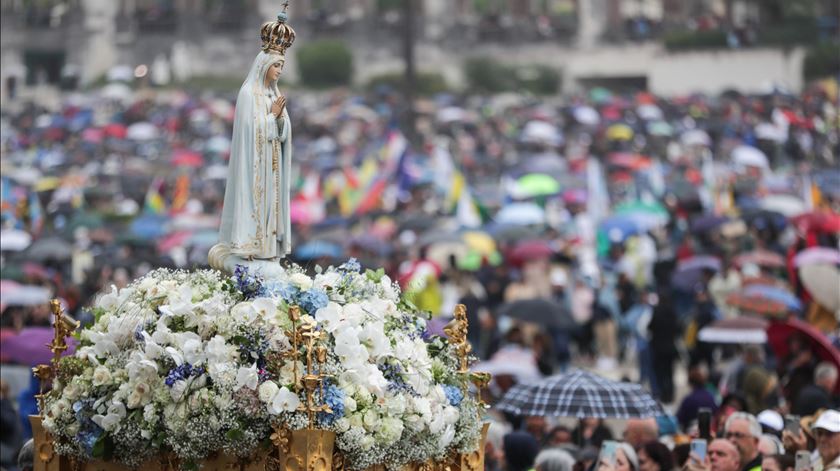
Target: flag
36, 214
456, 189
467, 214
154, 200
182, 193
597, 202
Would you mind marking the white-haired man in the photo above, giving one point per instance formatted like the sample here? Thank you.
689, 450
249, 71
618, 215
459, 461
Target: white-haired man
744, 431
817, 395
826, 432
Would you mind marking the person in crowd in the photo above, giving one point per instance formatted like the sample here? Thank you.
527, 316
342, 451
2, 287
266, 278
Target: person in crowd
537, 426
626, 459
778, 463
559, 435
521, 450
769, 445
664, 330
10, 430
554, 459
699, 396
494, 451
744, 431
637, 432
817, 395
723, 456
26, 457
654, 456
797, 369
591, 432
771, 422
826, 432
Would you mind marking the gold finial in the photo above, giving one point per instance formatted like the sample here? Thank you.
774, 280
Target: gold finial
313, 380
456, 330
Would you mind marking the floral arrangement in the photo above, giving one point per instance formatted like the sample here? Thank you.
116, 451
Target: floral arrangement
194, 363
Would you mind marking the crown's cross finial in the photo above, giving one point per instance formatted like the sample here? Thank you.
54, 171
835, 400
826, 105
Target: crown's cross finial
285, 6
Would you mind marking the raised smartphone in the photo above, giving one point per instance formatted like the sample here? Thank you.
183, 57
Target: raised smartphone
698, 447
803, 460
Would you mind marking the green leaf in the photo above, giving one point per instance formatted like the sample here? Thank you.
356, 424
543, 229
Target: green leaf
375, 276
234, 434
103, 448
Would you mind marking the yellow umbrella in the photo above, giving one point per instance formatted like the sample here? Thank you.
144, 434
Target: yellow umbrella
47, 184
480, 242
619, 132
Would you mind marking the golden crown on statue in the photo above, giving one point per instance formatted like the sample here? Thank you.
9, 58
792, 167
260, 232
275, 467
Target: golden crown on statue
277, 36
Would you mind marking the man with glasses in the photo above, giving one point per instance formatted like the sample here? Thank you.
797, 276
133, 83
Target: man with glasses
744, 431
826, 431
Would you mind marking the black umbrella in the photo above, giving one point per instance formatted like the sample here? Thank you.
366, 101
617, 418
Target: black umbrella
540, 311
49, 248
579, 394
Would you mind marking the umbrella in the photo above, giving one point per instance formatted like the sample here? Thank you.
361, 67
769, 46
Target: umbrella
770, 132
696, 137
762, 258
511, 360
761, 218
822, 282
544, 312
707, 222
817, 256
13, 293
586, 115
660, 128
149, 226
788, 205
619, 132
116, 92
442, 252
115, 130
640, 207
699, 262
748, 156
629, 160
536, 184
546, 163
824, 221
142, 131
521, 214
775, 293
649, 112
580, 394
541, 132
318, 249
600, 95
531, 250
505, 233
29, 346
187, 158
120, 73
49, 248
779, 333
14, 240
738, 330
758, 304
479, 241
217, 145
620, 227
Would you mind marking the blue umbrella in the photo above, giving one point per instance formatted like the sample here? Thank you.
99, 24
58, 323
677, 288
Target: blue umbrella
149, 226
318, 249
707, 222
521, 214
620, 227
776, 294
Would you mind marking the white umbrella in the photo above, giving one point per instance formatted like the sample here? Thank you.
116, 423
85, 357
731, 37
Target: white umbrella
117, 92
216, 172
823, 282
770, 132
521, 214
749, 156
15, 294
451, 114
649, 112
541, 132
696, 137
142, 131
735, 331
787, 205
43, 121
120, 73
14, 240
587, 115
511, 361
25, 175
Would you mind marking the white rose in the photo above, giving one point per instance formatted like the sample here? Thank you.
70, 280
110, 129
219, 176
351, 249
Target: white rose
371, 420
286, 375
267, 391
414, 422
367, 442
349, 404
450, 415
356, 420
72, 391
391, 430
342, 425
101, 376
396, 405
59, 408
301, 281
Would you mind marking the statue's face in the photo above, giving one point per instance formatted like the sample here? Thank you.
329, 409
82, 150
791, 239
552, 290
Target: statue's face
274, 71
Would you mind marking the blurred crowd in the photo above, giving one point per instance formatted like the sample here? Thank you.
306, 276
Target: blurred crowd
645, 237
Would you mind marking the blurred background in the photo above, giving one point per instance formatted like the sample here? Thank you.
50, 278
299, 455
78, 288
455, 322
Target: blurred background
637, 187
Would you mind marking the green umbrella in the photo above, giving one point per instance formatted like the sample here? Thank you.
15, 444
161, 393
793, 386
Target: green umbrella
538, 184
660, 128
643, 207
600, 95
86, 219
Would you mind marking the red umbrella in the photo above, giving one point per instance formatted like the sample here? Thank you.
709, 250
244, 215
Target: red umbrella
762, 258
530, 250
630, 161
115, 130
818, 221
187, 158
779, 332
758, 304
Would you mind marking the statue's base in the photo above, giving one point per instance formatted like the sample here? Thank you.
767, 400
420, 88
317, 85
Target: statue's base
299, 450
223, 260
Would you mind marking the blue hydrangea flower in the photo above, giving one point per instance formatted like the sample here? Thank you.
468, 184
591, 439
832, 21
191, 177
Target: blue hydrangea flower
351, 265
453, 394
313, 300
334, 398
249, 285
286, 291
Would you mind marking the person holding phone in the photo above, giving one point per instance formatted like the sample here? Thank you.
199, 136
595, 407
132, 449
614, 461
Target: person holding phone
744, 431
722, 455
